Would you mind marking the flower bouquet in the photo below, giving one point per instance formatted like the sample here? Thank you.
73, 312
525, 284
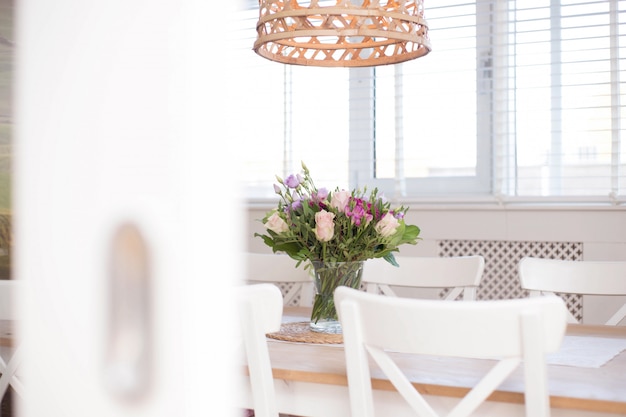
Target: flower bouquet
333, 229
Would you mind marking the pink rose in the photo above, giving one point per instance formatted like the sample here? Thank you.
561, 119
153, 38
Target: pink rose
340, 199
276, 224
387, 226
324, 225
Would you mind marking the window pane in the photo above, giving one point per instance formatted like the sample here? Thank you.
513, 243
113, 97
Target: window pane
321, 123
565, 102
437, 107
262, 110
290, 114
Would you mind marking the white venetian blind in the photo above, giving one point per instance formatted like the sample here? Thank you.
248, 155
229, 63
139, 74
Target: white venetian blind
560, 70
291, 114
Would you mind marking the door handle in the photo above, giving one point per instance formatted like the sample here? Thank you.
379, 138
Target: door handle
128, 359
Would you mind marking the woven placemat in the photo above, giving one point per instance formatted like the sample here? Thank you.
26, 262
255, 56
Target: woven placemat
301, 332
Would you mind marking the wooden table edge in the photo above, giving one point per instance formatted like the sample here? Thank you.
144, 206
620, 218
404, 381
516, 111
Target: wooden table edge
569, 403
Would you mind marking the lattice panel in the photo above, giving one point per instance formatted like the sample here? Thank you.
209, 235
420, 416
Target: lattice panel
501, 277
285, 287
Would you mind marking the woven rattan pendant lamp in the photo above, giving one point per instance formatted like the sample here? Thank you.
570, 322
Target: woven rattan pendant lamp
341, 33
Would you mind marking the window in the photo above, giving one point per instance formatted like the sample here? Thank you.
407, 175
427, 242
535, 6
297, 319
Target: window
519, 101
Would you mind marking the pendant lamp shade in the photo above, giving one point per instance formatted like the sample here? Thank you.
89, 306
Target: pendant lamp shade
341, 33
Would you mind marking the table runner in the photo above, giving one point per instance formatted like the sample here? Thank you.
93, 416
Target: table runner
586, 352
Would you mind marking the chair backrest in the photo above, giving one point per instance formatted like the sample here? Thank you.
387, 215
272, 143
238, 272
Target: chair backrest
260, 308
549, 276
508, 331
462, 274
281, 269
8, 298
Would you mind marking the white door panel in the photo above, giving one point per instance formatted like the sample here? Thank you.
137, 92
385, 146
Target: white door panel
119, 106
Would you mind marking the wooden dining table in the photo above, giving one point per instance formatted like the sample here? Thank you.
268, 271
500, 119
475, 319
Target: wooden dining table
310, 379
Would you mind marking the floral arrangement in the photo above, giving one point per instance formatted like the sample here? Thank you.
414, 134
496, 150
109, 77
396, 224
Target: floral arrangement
334, 226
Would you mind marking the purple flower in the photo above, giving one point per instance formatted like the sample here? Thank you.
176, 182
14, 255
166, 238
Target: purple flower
358, 213
297, 204
317, 198
320, 195
292, 181
294, 205
276, 189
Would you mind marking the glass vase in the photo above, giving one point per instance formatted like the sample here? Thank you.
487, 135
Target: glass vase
329, 276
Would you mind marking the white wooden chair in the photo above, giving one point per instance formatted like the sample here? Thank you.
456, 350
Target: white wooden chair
462, 274
260, 308
511, 332
549, 276
281, 270
10, 356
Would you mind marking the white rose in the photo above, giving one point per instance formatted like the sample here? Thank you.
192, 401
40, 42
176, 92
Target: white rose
276, 224
340, 199
387, 226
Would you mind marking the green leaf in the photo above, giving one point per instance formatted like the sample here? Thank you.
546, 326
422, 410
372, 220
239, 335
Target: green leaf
391, 259
411, 233
268, 240
290, 248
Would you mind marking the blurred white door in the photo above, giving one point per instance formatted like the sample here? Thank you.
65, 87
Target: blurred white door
124, 226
